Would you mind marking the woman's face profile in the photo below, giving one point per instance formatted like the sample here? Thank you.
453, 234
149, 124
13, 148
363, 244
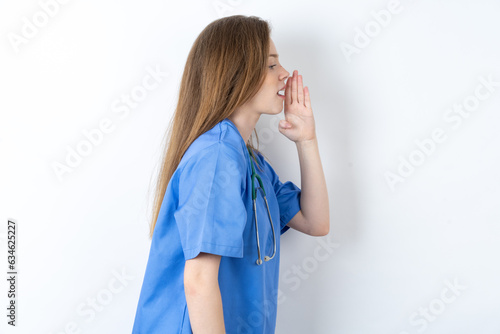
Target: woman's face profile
268, 100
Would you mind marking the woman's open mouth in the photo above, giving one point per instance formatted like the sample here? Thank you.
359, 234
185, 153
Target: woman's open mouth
281, 93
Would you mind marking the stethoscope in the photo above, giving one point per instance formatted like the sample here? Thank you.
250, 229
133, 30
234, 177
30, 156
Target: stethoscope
254, 197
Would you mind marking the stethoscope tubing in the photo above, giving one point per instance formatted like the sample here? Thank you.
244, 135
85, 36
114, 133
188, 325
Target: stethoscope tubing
254, 197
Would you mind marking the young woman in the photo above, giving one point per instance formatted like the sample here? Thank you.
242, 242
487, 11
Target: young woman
214, 260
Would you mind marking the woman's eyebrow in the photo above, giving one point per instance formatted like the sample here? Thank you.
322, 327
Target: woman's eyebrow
274, 55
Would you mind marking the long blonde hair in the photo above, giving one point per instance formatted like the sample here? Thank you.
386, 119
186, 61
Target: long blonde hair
225, 68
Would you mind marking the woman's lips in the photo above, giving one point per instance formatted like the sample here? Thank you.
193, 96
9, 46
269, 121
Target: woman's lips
282, 90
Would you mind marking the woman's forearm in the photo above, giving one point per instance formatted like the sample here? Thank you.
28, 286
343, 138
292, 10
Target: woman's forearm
205, 310
314, 196
203, 295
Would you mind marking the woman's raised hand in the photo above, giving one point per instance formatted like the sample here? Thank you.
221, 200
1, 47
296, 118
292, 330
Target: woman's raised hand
299, 121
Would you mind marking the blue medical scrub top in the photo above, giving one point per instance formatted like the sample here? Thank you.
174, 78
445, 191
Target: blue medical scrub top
208, 208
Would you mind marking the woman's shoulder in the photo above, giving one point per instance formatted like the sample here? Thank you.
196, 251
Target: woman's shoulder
219, 137
219, 155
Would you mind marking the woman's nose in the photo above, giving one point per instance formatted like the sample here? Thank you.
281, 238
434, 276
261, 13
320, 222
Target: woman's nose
285, 75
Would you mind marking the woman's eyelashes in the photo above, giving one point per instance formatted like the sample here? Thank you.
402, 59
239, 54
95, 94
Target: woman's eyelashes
271, 67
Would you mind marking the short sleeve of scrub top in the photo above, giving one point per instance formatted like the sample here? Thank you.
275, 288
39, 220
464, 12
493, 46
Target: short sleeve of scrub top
287, 194
211, 215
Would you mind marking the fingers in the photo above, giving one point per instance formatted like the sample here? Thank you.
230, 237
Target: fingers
288, 91
294, 86
300, 92
307, 98
296, 92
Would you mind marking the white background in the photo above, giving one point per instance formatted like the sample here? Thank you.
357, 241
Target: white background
391, 249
